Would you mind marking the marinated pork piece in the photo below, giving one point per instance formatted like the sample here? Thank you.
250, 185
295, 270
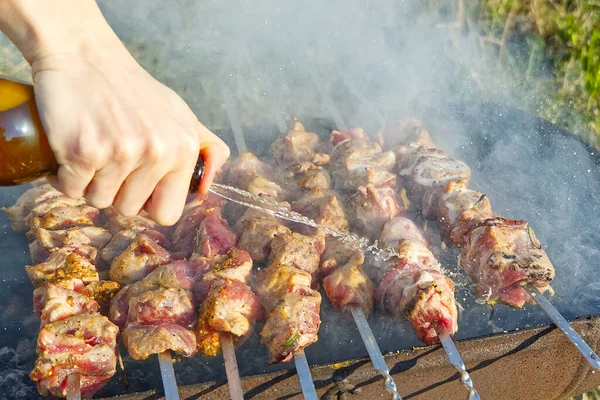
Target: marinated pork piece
324, 207
101, 291
62, 265
296, 250
215, 237
196, 210
361, 162
96, 367
400, 230
295, 146
53, 303
19, 213
123, 239
236, 265
142, 222
272, 283
162, 305
230, 306
460, 211
348, 286
263, 187
83, 240
141, 257
504, 256
336, 254
292, 325
425, 297
373, 208
308, 176
143, 340
258, 234
341, 136
245, 168
65, 217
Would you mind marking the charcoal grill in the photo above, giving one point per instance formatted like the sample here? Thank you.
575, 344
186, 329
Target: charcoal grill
548, 177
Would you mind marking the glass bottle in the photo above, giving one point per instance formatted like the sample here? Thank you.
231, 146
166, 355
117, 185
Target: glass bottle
25, 154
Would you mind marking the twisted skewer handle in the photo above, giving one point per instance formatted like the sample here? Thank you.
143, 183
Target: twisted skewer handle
560, 321
457, 362
374, 353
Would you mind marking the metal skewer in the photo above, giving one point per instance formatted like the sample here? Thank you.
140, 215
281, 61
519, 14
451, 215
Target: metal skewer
231, 367
73, 386
168, 375
560, 321
373, 349
308, 387
457, 362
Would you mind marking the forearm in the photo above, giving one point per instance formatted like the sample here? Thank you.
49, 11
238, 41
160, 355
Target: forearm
41, 28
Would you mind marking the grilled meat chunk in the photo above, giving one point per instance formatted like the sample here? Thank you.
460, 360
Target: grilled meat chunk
274, 282
296, 250
324, 207
425, 297
258, 234
336, 254
143, 340
295, 146
307, 176
230, 306
141, 222
19, 213
141, 257
64, 217
373, 208
123, 239
215, 237
292, 324
245, 168
53, 303
62, 265
83, 240
161, 305
235, 265
348, 286
503, 256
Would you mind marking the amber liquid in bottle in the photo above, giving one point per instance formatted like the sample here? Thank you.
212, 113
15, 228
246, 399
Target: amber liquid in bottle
25, 154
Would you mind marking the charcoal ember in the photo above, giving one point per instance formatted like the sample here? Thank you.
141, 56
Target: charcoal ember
15, 384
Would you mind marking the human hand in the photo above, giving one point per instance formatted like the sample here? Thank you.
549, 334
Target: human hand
120, 137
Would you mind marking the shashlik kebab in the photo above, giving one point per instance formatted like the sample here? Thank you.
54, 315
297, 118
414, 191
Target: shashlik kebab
182, 304
74, 337
500, 255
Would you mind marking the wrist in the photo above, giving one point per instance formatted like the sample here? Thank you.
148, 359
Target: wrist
42, 29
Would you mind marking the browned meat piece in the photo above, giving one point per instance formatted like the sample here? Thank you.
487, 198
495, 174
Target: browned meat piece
144, 340
408, 130
458, 211
65, 217
141, 257
19, 213
96, 367
101, 291
274, 282
292, 325
214, 237
77, 334
235, 265
230, 306
502, 257
324, 207
141, 222
401, 230
336, 254
348, 286
162, 305
373, 208
338, 137
295, 146
176, 275
245, 167
425, 297
298, 251
83, 240
123, 239
361, 162
186, 230
261, 186
308, 176
53, 303
257, 237
62, 265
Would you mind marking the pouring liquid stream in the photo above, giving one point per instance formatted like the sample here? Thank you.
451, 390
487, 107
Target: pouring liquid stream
265, 205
